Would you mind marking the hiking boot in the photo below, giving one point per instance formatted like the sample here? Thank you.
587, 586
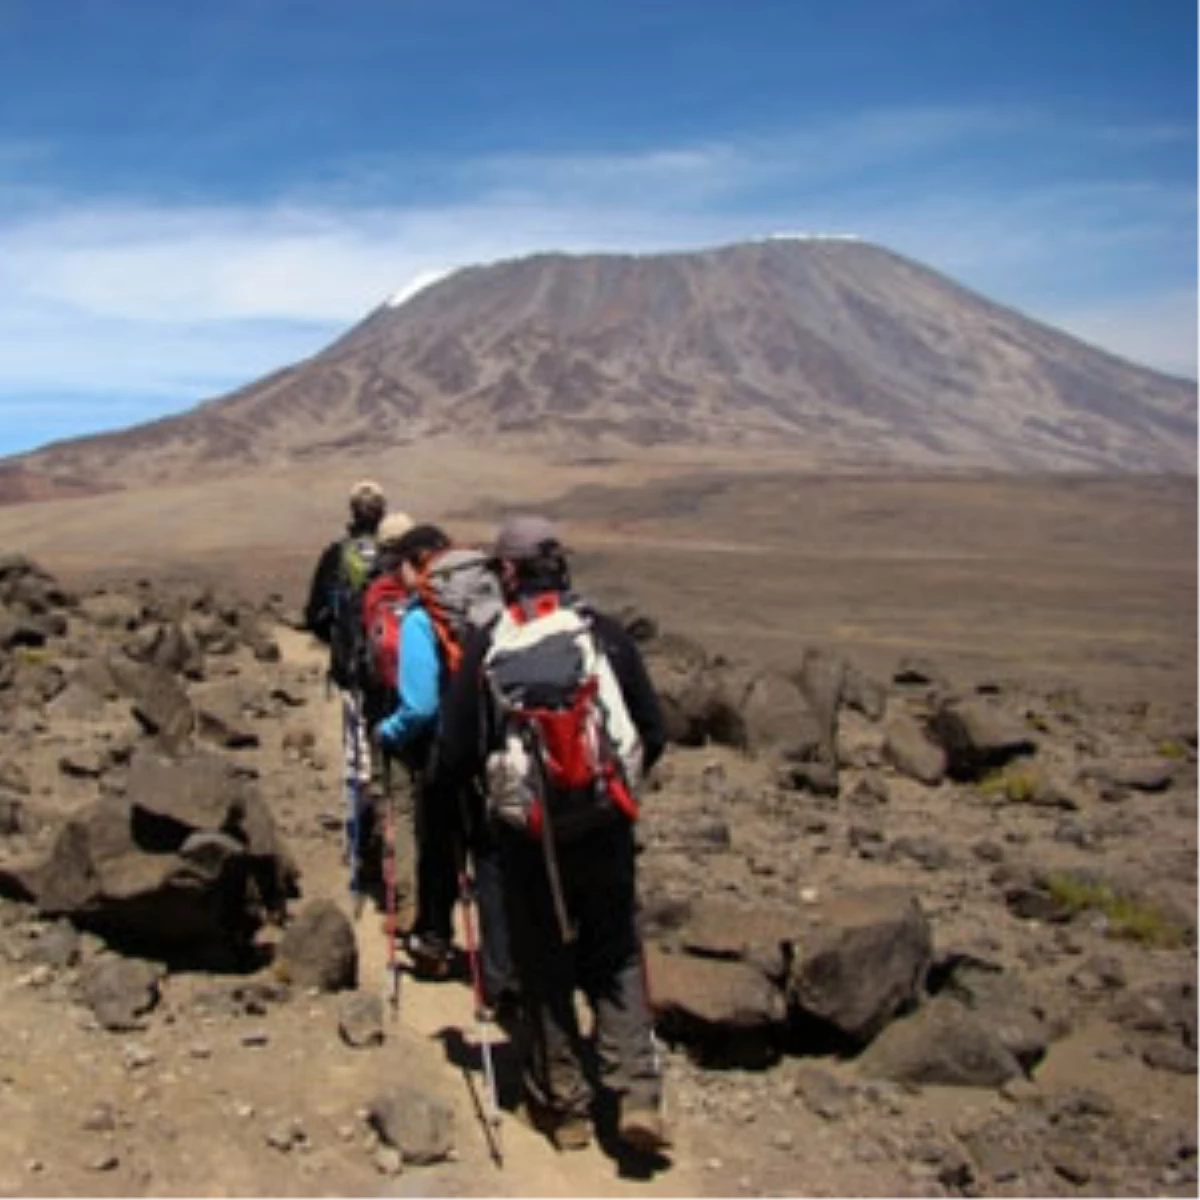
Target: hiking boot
431, 957
505, 1011
571, 1133
564, 1131
643, 1129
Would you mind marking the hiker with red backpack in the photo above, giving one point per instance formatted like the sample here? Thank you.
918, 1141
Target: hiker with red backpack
409, 733
553, 715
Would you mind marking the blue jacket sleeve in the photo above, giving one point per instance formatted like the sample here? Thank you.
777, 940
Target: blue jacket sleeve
419, 687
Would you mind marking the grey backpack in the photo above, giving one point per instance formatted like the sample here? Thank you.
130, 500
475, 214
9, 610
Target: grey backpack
460, 592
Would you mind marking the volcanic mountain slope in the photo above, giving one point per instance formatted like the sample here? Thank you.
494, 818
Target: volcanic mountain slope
843, 348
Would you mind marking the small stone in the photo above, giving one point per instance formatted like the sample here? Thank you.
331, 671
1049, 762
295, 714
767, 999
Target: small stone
388, 1160
101, 1119
200, 1051
1019, 1089
282, 1137
244, 1111
255, 1037
783, 1140
40, 976
138, 1056
106, 1162
712, 1164
809, 895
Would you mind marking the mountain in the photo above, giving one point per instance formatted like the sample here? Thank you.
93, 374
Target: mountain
852, 352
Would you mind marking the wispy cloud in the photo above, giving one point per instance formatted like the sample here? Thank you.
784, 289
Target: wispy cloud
152, 299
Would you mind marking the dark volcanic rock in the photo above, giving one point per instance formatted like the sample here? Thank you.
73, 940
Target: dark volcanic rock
1001, 1002
120, 991
978, 736
160, 703
728, 1011
777, 715
186, 866
319, 949
863, 960
910, 751
942, 1043
419, 1125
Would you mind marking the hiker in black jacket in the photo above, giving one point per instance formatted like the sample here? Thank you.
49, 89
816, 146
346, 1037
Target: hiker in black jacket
367, 508
571, 906
333, 615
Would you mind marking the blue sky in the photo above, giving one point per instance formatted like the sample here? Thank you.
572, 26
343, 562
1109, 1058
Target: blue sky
192, 195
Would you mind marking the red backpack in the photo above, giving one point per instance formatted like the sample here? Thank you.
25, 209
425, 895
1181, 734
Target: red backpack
384, 603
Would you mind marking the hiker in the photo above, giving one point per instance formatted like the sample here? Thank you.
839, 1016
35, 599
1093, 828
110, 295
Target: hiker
568, 871
333, 614
408, 733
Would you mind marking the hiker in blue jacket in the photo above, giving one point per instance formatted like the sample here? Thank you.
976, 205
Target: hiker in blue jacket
408, 733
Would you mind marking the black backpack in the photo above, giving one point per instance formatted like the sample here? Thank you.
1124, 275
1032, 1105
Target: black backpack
347, 636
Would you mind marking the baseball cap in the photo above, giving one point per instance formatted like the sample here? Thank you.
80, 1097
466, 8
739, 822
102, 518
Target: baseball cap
525, 535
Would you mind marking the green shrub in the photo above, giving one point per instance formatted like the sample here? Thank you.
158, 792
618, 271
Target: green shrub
1171, 748
1128, 916
1016, 783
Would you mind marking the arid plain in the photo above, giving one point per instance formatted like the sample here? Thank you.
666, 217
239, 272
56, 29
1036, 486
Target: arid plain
1025, 586
1083, 579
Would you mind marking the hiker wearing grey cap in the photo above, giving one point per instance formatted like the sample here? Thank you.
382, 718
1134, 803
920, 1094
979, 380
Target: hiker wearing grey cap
552, 671
333, 614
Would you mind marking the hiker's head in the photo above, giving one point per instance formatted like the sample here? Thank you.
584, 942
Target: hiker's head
413, 551
367, 506
530, 555
388, 537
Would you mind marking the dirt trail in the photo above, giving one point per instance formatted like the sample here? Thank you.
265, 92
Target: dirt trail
532, 1167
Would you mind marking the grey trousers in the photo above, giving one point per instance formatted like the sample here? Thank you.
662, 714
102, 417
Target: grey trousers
604, 960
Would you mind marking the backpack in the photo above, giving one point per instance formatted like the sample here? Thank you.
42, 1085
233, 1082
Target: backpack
356, 563
383, 604
460, 592
569, 755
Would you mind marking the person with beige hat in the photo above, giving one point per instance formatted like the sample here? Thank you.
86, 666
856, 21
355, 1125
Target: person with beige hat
333, 615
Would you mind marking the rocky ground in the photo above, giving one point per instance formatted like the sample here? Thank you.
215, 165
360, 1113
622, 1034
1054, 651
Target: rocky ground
907, 934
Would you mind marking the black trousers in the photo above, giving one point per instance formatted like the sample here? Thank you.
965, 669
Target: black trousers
604, 959
437, 833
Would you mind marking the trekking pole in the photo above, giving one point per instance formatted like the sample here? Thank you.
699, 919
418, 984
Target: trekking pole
390, 874
491, 1111
354, 826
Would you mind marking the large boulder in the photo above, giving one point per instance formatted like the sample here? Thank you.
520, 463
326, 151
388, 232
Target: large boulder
909, 750
319, 949
978, 736
861, 961
159, 702
822, 680
725, 1010
186, 865
700, 706
778, 716
1001, 1001
943, 1042
224, 713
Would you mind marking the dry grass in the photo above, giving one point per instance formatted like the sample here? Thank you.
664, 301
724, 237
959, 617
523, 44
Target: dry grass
1127, 916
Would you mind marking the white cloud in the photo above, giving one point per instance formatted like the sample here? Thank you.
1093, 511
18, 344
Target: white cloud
185, 302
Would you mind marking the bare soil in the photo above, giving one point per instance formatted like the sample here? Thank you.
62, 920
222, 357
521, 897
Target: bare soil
1082, 585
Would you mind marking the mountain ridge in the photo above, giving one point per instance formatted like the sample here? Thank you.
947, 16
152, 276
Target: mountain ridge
841, 347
